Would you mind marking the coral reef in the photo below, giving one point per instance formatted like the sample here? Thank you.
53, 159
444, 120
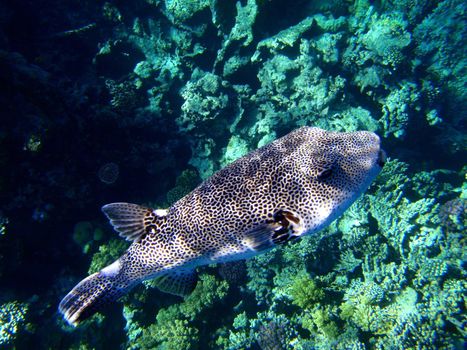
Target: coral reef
178, 326
12, 321
184, 184
139, 102
271, 336
304, 292
107, 254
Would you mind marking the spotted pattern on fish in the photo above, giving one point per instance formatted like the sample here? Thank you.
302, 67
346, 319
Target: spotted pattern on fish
292, 187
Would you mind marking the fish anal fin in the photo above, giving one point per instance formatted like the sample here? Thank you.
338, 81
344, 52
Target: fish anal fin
132, 221
180, 282
284, 226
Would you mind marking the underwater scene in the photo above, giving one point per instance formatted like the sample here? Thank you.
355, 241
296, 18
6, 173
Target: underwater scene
143, 101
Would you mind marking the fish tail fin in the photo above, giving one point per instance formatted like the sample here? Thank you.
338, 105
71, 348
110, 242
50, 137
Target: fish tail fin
94, 292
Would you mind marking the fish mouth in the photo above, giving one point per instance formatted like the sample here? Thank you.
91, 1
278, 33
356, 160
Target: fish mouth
381, 158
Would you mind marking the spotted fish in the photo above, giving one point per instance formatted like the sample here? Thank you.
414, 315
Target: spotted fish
290, 188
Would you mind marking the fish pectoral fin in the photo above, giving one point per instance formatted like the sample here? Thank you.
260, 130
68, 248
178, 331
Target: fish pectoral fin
181, 282
131, 221
284, 226
260, 237
291, 226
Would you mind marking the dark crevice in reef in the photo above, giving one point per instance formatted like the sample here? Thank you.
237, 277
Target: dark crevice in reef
206, 59
123, 60
276, 15
225, 12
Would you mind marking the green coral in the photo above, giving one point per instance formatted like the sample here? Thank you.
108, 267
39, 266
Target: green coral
12, 321
361, 308
319, 321
177, 326
205, 103
354, 223
240, 336
184, 184
169, 334
348, 262
387, 37
305, 292
107, 254
208, 291
261, 270
398, 217
351, 119
440, 40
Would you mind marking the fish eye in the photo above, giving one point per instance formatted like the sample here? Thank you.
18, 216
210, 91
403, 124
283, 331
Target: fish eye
325, 174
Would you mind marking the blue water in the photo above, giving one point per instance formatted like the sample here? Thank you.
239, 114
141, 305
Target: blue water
141, 101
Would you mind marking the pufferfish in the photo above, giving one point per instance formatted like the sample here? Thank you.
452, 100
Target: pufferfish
285, 190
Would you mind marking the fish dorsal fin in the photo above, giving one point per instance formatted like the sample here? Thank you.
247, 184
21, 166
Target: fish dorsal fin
181, 282
131, 220
284, 226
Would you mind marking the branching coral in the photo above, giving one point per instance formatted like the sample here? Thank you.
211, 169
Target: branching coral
169, 333
107, 254
319, 321
176, 327
305, 292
